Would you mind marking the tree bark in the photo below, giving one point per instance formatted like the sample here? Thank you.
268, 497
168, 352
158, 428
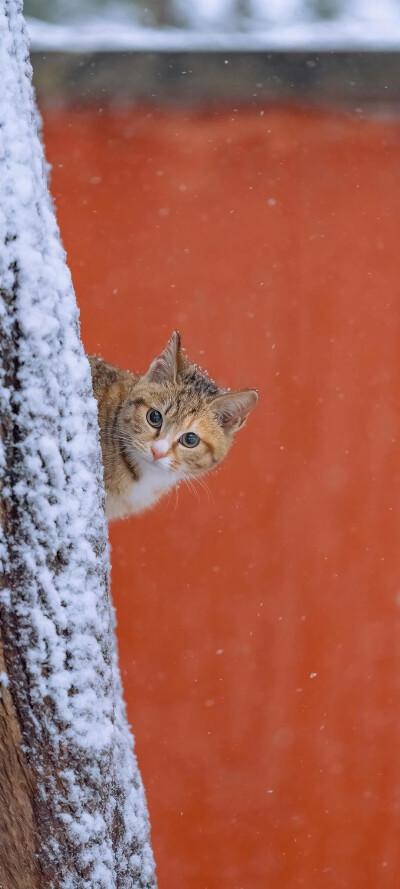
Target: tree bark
73, 813
18, 866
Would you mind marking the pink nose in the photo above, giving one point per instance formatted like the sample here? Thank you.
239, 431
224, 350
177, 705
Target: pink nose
157, 453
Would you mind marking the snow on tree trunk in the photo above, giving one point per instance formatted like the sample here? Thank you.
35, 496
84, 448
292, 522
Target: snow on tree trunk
78, 780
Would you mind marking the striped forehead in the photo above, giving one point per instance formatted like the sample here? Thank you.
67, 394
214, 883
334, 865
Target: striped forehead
196, 382
181, 407
188, 400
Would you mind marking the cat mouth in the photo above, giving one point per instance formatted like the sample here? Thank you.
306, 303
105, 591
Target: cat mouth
158, 462
157, 457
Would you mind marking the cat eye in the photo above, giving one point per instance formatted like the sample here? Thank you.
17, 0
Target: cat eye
189, 440
154, 418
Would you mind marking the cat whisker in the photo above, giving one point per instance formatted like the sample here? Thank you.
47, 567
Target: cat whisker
204, 486
126, 441
173, 490
190, 486
123, 439
193, 479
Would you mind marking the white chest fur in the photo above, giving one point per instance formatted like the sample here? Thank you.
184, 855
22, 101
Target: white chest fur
150, 487
153, 483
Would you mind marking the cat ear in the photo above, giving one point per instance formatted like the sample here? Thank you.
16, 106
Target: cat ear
165, 368
232, 408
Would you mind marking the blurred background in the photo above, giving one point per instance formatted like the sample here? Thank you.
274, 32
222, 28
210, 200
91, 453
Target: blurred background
209, 22
230, 168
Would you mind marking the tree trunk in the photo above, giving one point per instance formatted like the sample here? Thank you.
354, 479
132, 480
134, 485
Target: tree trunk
17, 833
72, 808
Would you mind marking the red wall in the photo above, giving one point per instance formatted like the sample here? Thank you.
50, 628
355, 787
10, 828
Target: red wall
259, 627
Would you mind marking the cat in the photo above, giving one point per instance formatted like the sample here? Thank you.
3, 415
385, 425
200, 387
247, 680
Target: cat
170, 424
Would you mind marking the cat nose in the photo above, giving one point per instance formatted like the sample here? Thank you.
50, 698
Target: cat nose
159, 449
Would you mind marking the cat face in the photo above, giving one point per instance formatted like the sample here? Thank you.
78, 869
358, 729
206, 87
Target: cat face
177, 420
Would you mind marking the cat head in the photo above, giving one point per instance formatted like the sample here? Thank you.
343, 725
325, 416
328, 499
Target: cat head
178, 420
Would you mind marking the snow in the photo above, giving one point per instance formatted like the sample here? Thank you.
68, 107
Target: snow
55, 607
4, 680
213, 25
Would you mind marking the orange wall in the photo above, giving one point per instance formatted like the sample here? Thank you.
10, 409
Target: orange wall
259, 628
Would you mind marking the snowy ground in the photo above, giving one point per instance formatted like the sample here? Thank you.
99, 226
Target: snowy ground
211, 24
